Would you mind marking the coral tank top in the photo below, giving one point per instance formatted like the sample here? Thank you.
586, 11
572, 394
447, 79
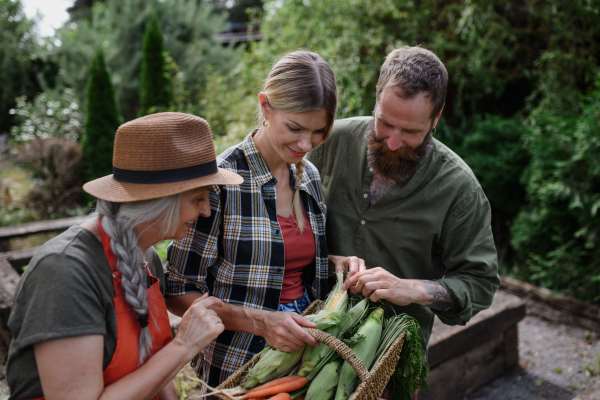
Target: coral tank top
300, 253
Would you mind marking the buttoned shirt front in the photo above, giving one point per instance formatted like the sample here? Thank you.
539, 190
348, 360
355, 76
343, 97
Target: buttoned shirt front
237, 254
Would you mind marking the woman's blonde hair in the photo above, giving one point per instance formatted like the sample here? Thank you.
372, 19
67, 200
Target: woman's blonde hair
302, 81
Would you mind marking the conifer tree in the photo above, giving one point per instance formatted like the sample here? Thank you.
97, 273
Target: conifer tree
156, 87
100, 123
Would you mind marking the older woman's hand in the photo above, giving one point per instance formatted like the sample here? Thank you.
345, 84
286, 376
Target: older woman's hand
200, 325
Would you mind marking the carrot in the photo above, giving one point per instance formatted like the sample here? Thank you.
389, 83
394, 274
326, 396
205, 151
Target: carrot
281, 396
274, 388
274, 382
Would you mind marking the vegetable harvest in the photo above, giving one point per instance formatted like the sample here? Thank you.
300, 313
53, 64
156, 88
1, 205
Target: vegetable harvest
319, 373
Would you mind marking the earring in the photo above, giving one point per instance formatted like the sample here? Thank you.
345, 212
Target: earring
433, 131
265, 122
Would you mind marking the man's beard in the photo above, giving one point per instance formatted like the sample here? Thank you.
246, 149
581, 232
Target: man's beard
398, 165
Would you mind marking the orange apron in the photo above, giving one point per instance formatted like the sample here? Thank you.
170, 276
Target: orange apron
125, 358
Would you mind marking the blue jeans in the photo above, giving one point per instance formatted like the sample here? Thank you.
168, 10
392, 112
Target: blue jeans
296, 306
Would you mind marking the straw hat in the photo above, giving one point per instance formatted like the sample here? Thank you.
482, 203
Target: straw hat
160, 155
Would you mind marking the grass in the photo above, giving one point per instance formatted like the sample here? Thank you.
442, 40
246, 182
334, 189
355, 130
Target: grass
161, 249
18, 181
14, 186
187, 383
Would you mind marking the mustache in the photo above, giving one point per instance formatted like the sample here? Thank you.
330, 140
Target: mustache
405, 152
398, 165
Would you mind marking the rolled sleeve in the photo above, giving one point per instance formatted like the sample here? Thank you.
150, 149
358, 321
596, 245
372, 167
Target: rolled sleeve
469, 255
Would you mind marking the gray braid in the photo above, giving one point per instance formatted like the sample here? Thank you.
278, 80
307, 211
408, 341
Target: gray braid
129, 259
297, 202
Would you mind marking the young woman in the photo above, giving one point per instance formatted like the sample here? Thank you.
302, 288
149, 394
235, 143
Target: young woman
88, 319
262, 251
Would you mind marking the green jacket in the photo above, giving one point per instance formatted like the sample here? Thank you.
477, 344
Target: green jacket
435, 226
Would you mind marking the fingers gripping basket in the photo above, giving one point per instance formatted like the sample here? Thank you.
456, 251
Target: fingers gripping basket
372, 383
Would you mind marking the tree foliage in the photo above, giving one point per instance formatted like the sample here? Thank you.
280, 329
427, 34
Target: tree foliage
513, 67
52, 113
101, 121
156, 86
557, 234
117, 26
17, 45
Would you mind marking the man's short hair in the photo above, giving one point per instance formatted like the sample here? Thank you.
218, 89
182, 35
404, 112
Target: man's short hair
413, 70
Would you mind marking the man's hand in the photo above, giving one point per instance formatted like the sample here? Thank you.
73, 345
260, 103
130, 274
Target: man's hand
354, 265
377, 283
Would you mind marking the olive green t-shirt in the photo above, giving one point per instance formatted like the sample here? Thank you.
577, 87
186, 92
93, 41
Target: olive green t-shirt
435, 226
66, 291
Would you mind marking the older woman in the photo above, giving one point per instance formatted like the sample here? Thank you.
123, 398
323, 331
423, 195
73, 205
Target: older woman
89, 320
263, 249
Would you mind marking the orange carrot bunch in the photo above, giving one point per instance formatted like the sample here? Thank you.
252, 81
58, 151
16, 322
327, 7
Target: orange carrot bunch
277, 389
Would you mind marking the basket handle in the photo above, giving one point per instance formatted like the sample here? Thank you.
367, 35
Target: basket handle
342, 349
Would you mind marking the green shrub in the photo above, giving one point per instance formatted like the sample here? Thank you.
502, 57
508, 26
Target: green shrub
495, 151
156, 86
51, 114
101, 121
557, 235
54, 164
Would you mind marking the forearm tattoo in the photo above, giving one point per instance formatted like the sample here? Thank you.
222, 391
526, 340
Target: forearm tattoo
442, 300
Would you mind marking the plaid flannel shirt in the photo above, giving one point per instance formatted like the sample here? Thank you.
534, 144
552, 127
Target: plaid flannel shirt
237, 254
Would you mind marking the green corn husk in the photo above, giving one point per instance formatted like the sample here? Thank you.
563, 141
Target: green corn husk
323, 386
365, 349
273, 363
313, 357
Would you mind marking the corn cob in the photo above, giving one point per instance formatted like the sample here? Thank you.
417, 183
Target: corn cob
323, 386
337, 299
273, 363
313, 357
365, 349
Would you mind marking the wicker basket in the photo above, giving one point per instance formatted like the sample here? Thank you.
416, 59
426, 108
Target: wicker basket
372, 383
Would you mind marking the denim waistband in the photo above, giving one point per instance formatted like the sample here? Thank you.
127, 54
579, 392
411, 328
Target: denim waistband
296, 306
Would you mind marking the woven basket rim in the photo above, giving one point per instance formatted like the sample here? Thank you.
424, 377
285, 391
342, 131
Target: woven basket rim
372, 383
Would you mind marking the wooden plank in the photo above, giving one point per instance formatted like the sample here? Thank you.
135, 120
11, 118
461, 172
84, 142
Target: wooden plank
19, 258
592, 393
39, 227
554, 307
511, 347
9, 278
450, 341
466, 373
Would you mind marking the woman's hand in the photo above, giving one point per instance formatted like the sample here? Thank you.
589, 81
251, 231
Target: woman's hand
353, 264
282, 330
199, 325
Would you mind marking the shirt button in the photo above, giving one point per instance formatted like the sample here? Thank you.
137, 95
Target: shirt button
362, 222
365, 195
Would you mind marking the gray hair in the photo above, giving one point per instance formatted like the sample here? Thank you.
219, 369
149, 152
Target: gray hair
119, 222
302, 81
414, 70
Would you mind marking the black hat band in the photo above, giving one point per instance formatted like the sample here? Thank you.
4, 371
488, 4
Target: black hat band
165, 175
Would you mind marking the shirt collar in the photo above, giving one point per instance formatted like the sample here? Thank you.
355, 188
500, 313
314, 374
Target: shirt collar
259, 166
257, 163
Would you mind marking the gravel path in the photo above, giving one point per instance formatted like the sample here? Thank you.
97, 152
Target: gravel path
558, 363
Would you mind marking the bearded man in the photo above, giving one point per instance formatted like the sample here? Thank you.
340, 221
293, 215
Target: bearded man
406, 204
